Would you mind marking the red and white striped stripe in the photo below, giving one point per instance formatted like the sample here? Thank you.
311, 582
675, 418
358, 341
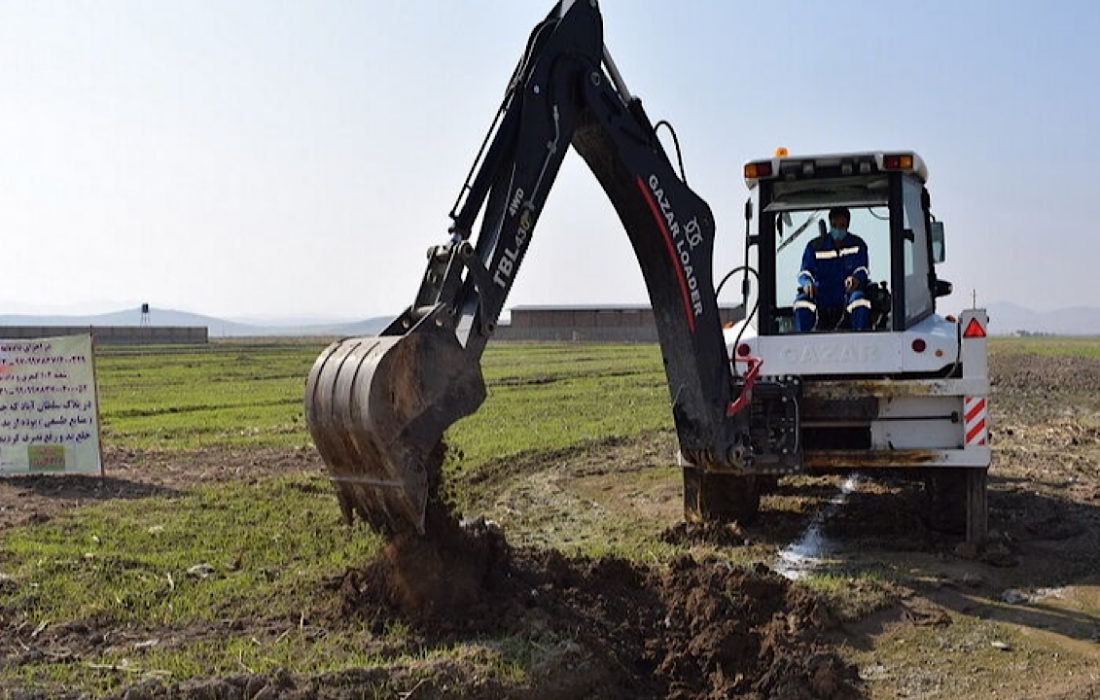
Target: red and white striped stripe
976, 425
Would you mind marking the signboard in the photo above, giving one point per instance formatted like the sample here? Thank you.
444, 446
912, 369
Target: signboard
49, 415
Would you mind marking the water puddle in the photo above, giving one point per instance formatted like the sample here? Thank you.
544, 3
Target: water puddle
809, 552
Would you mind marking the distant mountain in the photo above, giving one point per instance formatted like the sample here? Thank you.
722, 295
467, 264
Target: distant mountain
1006, 318
218, 327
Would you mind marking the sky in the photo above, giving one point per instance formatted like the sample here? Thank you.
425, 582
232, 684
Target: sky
264, 158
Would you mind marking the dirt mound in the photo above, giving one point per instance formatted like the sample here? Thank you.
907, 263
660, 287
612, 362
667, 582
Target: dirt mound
737, 632
694, 629
446, 581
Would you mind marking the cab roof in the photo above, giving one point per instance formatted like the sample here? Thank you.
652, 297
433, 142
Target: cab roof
784, 166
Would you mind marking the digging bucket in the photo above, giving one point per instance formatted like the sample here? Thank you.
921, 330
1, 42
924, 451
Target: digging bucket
377, 408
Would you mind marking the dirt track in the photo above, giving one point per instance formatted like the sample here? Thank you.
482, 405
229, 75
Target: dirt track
918, 615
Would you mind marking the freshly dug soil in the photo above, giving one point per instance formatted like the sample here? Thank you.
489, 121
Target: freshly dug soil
442, 577
694, 629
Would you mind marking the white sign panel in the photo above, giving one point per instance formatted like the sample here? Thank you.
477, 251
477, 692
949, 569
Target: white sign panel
49, 418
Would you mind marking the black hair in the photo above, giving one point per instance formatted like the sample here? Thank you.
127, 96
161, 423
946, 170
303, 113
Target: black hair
840, 211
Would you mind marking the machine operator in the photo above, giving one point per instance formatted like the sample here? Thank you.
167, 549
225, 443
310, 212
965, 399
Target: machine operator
833, 282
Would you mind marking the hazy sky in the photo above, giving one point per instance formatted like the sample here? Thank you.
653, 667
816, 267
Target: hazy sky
288, 158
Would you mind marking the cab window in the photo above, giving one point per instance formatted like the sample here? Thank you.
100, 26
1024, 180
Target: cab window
800, 212
918, 295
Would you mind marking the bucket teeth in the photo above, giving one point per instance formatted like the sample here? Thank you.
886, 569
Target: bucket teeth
377, 408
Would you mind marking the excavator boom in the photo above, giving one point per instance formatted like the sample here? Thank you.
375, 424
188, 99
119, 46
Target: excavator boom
378, 407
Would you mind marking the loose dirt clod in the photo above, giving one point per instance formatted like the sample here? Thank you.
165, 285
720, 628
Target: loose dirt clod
454, 570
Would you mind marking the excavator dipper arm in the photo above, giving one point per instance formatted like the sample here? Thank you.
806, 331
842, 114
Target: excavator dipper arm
378, 407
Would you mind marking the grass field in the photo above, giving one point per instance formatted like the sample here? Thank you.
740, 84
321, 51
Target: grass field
541, 396
198, 561
237, 394
125, 563
220, 394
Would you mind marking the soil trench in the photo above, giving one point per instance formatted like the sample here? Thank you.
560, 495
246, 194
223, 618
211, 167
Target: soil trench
693, 629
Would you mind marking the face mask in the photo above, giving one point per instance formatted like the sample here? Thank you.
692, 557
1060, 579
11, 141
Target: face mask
838, 233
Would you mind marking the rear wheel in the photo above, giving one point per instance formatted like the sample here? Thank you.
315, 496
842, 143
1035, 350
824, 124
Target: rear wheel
977, 505
946, 492
711, 497
958, 503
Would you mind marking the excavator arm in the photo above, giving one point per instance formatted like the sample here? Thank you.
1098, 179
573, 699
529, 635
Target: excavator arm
378, 407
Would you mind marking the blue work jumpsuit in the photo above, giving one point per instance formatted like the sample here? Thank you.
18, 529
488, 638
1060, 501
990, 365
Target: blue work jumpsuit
826, 265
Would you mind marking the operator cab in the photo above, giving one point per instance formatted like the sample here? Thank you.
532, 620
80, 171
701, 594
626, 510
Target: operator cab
885, 193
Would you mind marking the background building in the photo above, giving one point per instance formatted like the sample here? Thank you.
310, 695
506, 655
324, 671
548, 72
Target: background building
590, 323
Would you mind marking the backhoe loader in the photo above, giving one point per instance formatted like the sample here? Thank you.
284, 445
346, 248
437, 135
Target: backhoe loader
750, 402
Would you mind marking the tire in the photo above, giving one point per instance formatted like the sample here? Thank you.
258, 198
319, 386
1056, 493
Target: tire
710, 497
946, 492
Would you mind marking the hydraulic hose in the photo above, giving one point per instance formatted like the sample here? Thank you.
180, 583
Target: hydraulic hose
749, 317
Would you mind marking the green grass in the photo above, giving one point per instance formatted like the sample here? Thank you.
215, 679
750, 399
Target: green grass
137, 565
543, 398
297, 649
239, 394
855, 593
220, 394
128, 562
